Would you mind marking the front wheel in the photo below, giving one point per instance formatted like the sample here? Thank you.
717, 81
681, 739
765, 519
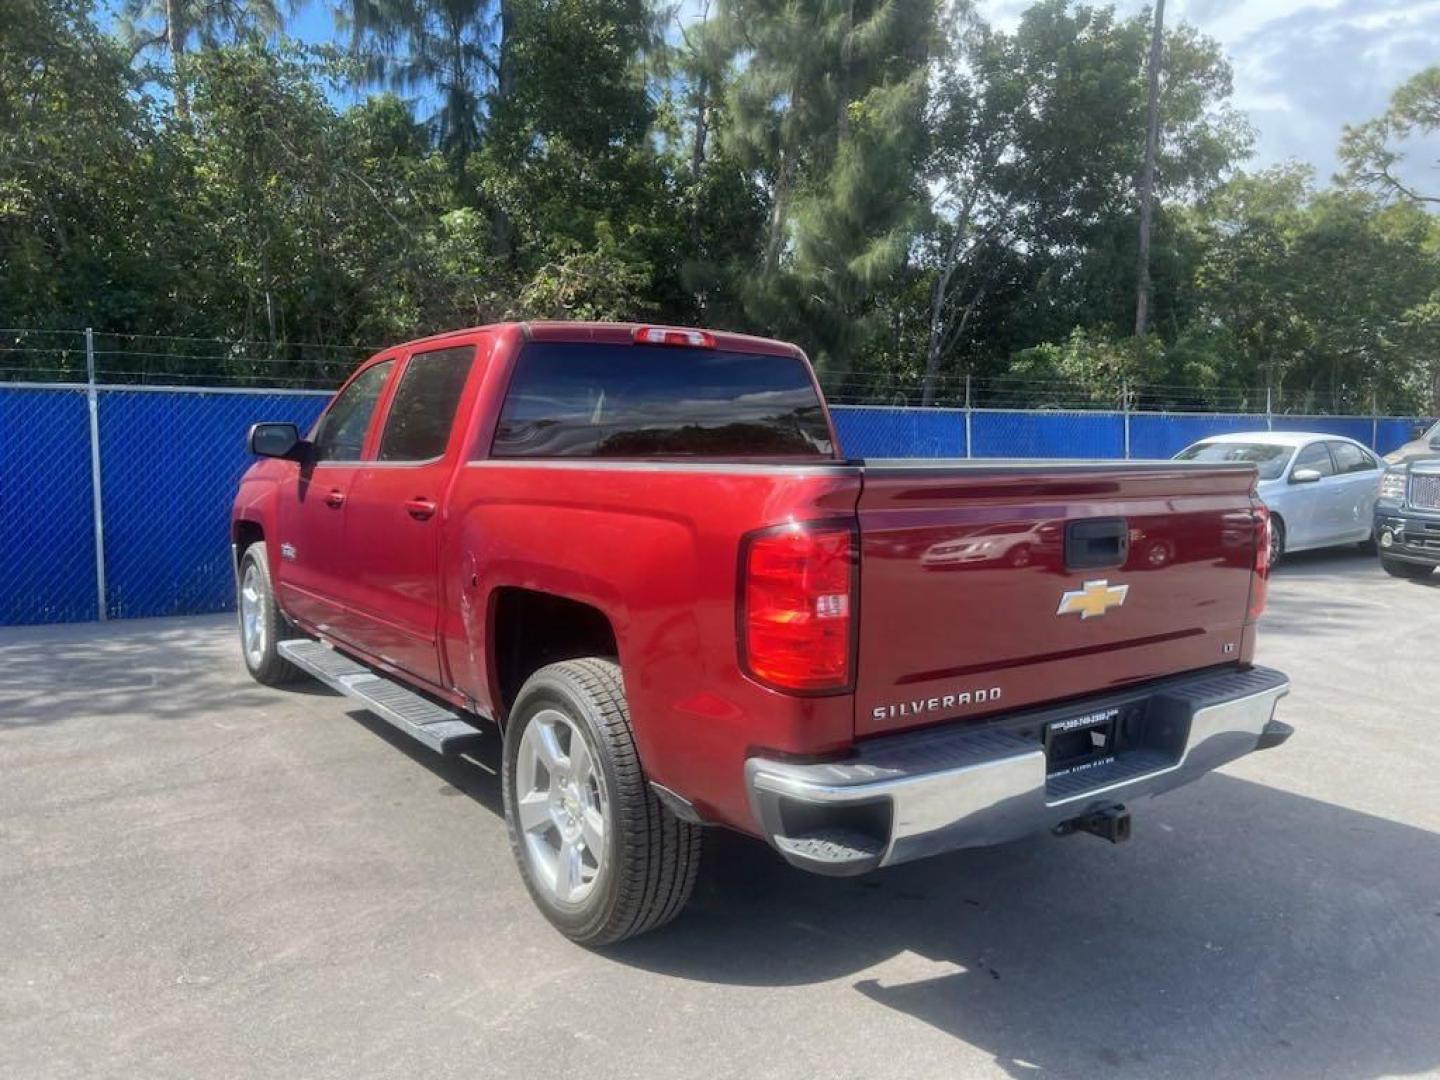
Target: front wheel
601, 856
261, 622
1401, 569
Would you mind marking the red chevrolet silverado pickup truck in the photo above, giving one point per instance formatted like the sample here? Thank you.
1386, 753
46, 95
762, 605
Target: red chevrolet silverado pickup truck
639, 554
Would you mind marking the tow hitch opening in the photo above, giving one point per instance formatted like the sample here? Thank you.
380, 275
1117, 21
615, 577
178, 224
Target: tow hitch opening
1111, 823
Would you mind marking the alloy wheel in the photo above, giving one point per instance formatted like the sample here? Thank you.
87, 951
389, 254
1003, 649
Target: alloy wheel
561, 807
252, 616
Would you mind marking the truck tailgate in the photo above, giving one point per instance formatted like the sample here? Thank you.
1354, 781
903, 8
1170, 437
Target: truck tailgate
985, 587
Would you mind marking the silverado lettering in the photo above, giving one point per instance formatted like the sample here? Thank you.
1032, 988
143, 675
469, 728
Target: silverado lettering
945, 701
639, 556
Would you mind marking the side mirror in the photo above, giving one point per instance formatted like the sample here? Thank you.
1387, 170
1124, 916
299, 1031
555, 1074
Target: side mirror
1305, 476
274, 440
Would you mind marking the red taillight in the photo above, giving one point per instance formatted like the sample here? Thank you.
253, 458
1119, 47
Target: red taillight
797, 601
662, 335
1260, 580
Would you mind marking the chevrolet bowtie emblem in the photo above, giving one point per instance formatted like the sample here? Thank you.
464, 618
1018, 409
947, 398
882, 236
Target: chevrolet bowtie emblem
1092, 599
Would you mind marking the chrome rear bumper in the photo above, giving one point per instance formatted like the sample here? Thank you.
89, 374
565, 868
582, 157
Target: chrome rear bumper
908, 796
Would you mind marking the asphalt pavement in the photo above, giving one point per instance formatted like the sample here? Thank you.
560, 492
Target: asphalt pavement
202, 877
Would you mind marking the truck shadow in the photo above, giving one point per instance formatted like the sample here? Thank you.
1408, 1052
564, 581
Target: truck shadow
1261, 933
168, 670
1245, 931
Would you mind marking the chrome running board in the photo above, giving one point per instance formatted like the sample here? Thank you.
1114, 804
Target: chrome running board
442, 730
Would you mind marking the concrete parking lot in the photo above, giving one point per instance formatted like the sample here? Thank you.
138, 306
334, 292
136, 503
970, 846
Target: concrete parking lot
205, 878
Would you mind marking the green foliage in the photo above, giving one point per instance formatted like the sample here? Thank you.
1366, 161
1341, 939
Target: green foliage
74, 183
604, 282
1319, 293
826, 101
1092, 363
444, 46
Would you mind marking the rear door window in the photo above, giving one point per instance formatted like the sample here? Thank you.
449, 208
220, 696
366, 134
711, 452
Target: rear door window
341, 436
1349, 458
1315, 456
425, 402
577, 399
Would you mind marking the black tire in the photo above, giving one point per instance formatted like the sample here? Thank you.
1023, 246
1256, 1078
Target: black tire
651, 856
1401, 569
1277, 540
264, 663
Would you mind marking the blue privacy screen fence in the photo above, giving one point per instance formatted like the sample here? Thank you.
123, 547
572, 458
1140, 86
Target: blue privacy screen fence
115, 500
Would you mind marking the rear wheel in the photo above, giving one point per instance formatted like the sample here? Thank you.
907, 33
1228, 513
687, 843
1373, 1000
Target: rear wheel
1277, 540
262, 626
602, 857
1401, 569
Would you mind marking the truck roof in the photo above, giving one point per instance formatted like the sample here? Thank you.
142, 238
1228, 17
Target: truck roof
614, 333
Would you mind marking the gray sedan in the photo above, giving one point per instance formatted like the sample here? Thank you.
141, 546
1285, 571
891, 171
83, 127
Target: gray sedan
1320, 489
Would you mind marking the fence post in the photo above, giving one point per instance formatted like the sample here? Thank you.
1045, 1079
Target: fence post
92, 399
1269, 415
1125, 406
968, 453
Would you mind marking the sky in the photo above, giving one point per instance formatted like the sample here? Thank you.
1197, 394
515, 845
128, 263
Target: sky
1303, 70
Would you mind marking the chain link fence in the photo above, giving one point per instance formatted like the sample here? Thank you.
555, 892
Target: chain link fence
120, 454
131, 517
60, 356
889, 431
1058, 395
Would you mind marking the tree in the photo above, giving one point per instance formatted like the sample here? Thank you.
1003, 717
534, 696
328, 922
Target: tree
569, 166
170, 25
419, 46
1147, 170
1371, 151
76, 149
1031, 218
1320, 296
826, 102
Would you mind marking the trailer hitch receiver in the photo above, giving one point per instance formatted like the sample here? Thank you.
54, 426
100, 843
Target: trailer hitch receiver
1111, 823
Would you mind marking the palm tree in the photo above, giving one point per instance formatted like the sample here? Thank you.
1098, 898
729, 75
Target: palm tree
440, 47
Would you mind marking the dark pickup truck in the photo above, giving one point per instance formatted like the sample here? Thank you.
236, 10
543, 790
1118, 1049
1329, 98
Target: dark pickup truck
1407, 517
639, 555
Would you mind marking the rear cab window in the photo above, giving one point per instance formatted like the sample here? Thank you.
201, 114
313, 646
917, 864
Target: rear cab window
590, 400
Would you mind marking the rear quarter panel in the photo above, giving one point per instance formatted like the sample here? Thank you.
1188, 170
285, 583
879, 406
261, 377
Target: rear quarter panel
656, 549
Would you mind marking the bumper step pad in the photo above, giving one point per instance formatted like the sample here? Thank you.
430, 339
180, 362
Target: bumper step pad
443, 730
843, 851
